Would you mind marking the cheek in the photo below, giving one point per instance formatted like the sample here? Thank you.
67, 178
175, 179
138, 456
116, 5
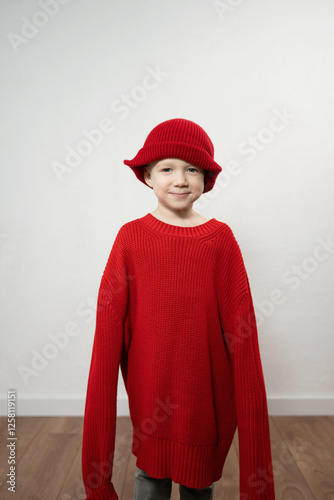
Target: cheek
161, 183
200, 183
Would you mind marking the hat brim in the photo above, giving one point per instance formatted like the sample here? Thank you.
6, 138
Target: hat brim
191, 154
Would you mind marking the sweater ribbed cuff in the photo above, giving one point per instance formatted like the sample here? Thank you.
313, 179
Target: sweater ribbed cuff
106, 493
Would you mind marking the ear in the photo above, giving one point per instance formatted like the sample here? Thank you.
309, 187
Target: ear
147, 176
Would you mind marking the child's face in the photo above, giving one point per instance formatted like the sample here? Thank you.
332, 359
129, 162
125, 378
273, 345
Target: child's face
170, 177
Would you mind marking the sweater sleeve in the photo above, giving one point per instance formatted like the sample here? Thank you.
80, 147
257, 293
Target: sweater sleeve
99, 428
241, 339
256, 471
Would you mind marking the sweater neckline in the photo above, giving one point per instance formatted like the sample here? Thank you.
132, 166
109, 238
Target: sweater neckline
155, 224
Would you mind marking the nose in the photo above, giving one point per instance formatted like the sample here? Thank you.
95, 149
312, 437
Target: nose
180, 179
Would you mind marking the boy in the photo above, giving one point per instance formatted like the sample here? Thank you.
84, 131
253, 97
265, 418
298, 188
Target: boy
175, 312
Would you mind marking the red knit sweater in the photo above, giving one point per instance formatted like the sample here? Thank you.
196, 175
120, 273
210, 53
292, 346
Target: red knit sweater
175, 313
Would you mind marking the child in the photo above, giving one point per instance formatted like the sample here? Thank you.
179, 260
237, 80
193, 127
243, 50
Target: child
175, 312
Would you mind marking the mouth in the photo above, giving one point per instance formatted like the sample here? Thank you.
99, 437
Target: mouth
180, 194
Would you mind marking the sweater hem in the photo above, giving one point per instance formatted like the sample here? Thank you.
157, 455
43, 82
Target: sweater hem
194, 466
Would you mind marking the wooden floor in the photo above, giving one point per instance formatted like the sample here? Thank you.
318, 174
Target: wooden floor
48, 457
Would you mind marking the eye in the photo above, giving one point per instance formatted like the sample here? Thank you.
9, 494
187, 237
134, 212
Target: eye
192, 168
166, 168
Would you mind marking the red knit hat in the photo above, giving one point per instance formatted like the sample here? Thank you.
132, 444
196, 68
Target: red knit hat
178, 138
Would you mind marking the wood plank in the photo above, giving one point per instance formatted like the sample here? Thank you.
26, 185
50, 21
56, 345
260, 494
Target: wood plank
73, 488
320, 478
42, 468
129, 479
288, 479
62, 425
328, 423
306, 438
123, 442
27, 428
228, 485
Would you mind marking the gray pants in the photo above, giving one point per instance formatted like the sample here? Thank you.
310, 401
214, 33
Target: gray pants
149, 488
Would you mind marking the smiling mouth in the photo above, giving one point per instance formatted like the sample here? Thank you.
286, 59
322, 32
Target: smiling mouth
180, 194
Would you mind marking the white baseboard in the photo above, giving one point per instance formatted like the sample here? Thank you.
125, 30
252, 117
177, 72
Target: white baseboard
75, 407
300, 406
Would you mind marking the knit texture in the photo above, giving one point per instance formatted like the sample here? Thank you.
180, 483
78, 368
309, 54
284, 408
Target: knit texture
175, 314
178, 138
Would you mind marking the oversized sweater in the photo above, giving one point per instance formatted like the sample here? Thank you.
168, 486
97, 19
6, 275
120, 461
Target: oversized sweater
175, 314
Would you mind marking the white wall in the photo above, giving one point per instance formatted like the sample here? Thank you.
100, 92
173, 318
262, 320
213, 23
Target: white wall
231, 67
